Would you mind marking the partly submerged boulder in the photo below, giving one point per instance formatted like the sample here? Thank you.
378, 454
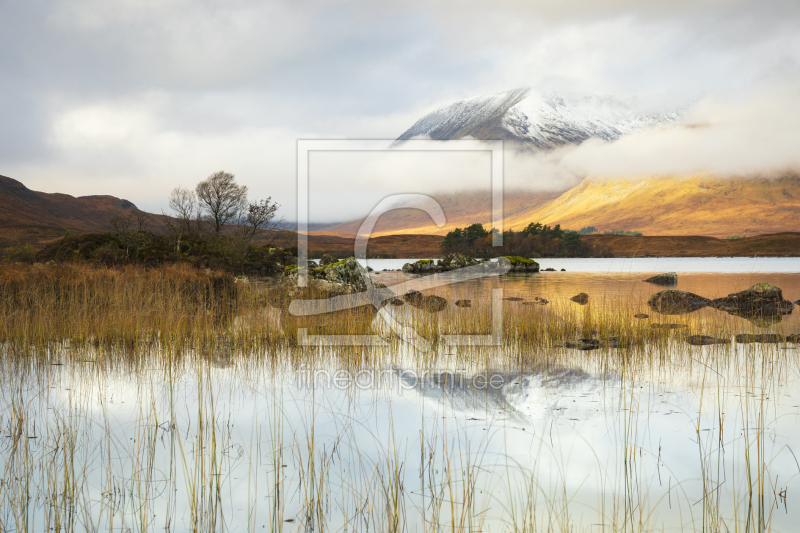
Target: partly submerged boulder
705, 340
428, 302
458, 261
675, 302
583, 344
760, 300
449, 262
667, 278
315, 305
767, 338
519, 264
423, 266
455, 261
581, 298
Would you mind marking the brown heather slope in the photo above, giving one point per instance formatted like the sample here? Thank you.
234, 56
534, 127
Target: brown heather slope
460, 209
28, 216
693, 205
408, 246
769, 245
411, 246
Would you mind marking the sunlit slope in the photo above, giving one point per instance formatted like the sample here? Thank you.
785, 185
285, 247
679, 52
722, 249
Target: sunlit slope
460, 209
695, 205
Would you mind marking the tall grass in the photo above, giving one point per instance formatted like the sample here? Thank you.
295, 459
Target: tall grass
210, 437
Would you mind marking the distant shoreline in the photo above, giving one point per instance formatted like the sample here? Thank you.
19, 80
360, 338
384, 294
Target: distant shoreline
785, 244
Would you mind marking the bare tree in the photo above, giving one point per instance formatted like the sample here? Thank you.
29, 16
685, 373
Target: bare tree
220, 199
131, 230
259, 215
183, 204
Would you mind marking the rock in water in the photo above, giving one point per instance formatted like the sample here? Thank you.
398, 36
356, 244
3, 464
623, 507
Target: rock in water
675, 302
581, 298
456, 261
762, 304
767, 338
423, 266
616, 342
315, 305
519, 264
705, 340
446, 264
584, 344
430, 303
667, 278
464, 303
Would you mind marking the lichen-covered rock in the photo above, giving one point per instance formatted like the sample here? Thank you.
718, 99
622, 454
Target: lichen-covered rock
423, 266
449, 262
456, 261
667, 278
327, 260
317, 298
519, 264
675, 302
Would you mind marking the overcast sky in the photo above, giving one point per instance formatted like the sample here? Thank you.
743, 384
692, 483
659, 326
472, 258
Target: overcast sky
132, 98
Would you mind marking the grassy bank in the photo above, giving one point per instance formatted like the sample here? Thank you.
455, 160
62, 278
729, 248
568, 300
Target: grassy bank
174, 305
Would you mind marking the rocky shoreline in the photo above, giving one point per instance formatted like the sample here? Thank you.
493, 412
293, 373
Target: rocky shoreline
457, 261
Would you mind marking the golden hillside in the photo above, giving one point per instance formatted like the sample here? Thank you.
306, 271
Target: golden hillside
460, 209
693, 205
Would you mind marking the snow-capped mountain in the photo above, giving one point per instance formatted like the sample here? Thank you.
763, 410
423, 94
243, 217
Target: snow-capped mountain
537, 121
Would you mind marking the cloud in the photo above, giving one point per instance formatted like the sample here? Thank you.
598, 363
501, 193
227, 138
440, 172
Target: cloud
132, 98
752, 134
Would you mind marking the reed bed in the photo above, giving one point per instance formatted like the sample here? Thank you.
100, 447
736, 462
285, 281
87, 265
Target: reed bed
167, 399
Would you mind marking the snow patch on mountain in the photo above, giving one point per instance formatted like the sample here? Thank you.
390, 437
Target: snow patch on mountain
538, 121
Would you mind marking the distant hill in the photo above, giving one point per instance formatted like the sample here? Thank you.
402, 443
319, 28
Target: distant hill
38, 217
460, 209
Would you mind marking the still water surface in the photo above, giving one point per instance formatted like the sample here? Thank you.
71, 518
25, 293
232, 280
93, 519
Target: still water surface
699, 438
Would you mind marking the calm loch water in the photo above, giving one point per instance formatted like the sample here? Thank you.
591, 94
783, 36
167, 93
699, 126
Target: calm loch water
694, 439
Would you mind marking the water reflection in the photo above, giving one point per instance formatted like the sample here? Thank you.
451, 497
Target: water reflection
490, 393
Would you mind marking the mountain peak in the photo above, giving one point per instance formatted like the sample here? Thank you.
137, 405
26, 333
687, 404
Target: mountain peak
534, 121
